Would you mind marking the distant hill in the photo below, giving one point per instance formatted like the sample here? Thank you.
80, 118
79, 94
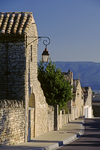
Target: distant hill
88, 72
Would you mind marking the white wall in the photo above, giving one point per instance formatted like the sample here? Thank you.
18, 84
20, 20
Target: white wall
88, 112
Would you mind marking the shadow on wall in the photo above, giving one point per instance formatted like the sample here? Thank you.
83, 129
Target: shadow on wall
96, 110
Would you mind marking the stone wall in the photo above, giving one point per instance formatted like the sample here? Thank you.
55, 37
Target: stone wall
79, 102
3, 67
40, 114
18, 75
63, 118
41, 110
88, 100
12, 122
50, 125
32, 84
12, 64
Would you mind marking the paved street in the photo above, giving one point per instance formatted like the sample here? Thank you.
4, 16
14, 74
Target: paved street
90, 139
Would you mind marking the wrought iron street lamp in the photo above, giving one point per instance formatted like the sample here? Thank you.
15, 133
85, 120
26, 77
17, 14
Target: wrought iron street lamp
45, 54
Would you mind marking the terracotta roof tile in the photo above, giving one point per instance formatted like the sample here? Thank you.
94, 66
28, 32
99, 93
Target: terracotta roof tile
15, 22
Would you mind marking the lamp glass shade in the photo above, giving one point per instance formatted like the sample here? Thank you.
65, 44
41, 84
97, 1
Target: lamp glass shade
45, 58
45, 55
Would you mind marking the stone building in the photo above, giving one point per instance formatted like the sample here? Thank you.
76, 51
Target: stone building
87, 112
78, 101
18, 70
81, 105
69, 77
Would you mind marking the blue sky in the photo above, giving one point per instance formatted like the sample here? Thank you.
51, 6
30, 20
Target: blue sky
73, 26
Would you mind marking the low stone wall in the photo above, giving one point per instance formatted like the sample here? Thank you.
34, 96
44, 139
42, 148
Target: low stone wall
63, 118
50, 125
12, 122
41, 110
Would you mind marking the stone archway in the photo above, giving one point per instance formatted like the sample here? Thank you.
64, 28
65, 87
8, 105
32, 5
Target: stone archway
31, 122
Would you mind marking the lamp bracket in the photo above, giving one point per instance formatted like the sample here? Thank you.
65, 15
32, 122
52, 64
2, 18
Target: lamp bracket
46, 40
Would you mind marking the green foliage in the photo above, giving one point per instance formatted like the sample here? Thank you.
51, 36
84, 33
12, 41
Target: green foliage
65, 107
56, 89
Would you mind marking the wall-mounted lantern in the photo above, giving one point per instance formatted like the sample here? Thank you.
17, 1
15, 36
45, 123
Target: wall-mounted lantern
45, 54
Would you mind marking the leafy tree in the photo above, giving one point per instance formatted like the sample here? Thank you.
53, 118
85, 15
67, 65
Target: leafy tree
56, 89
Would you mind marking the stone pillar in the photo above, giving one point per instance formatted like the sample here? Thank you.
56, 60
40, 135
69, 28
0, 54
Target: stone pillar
60, 124
55, 117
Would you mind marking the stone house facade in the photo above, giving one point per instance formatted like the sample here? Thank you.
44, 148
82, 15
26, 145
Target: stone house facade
24, 113
69, 77
81, 105
18, 70
76, 104
78, 101
87, 112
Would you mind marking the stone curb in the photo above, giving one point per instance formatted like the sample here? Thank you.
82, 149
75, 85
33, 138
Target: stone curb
66, 141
